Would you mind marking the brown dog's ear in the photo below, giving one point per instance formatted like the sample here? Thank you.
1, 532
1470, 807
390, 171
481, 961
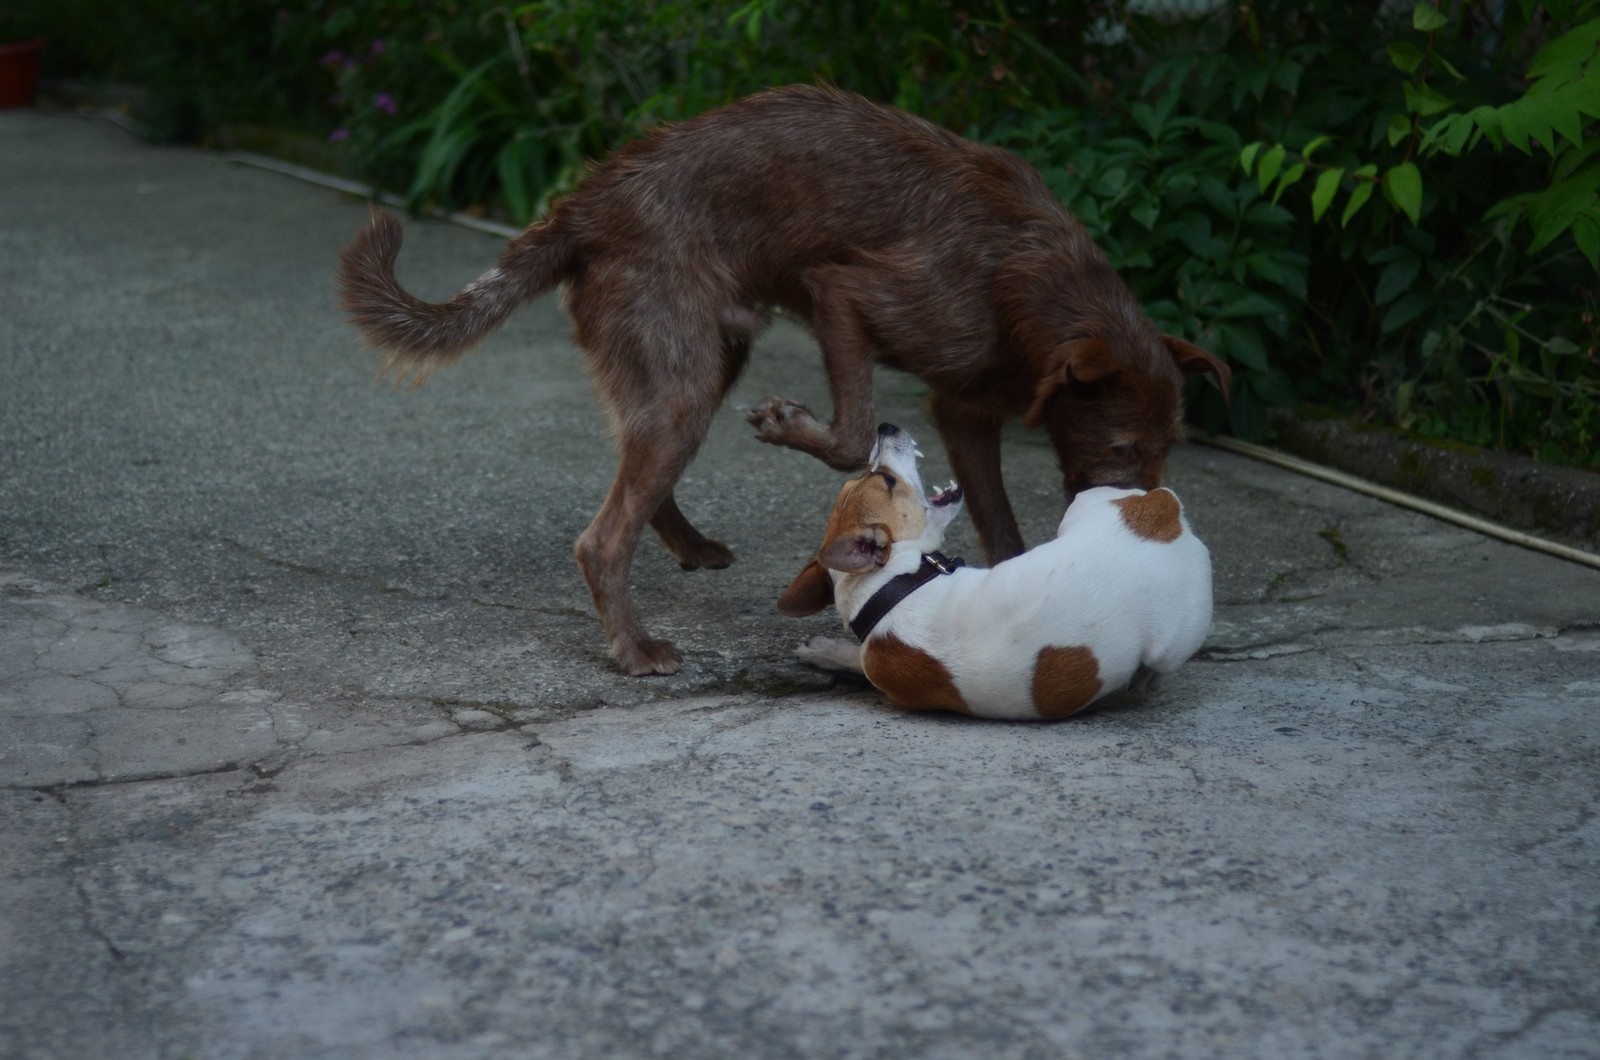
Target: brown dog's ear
1192, 360
1078, 361
810, 592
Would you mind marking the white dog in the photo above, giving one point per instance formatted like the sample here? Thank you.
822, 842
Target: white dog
1121, 596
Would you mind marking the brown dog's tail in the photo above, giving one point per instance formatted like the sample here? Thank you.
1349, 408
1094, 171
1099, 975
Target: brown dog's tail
418, 336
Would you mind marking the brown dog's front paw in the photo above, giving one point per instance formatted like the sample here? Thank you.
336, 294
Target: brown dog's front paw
780, 421
646, 658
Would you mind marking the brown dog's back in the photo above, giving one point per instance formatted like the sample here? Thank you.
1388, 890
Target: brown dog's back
729, 211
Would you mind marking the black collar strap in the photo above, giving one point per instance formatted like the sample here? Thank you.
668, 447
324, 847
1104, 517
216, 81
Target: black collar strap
898, 588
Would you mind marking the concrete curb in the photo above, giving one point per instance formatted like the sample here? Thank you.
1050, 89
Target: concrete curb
1558, 502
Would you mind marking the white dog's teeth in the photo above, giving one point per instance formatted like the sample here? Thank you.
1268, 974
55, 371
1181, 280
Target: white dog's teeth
918, 452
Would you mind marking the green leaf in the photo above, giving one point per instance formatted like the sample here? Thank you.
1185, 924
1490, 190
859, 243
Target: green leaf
1461, 127
1404, 183
1310, 149
1425, 100
1399, 129
1242, 346
1271, 162
1287, 76
1286, 270
514, 182
1405, 55
1515, 127
1586, 232
1487, 121
1265, 213
1566, 106
1145, 116
1247, 156
1395, 279
1249, 304
1405, 311
1322, 194
1393, 252
1110, 182
1291, 176
1567, 52
1218, 196
1556, 209
1358, 198
1145, 213
1193, 229
1427, 18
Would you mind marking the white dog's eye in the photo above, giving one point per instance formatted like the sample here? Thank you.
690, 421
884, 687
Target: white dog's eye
889, 480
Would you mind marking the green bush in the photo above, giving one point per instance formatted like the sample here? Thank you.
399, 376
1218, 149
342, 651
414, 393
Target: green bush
1472, 278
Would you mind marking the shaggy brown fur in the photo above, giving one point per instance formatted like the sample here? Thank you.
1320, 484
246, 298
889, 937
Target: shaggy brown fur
897, 241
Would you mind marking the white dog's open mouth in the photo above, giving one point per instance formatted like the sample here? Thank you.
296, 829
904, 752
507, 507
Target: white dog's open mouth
949, 495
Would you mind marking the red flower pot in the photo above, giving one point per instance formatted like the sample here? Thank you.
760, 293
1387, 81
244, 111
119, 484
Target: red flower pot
19, 72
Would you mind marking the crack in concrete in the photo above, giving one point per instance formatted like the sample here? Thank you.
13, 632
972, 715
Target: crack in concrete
264, 768
1498, 1040
101, 781
74, 867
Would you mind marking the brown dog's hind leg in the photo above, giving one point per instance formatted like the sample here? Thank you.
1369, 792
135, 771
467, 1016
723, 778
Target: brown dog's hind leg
662, 381
652, 457
972, 442
692, 549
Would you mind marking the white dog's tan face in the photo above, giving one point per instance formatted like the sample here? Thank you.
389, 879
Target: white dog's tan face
872, 514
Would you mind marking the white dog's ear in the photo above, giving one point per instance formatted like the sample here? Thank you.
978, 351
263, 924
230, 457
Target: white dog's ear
810, 592
864, 549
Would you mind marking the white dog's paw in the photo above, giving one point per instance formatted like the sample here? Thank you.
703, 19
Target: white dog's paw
1145, 681
830, 653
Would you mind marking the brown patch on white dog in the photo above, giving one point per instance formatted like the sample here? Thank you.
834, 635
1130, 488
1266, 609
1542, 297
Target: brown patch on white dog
910, 677
1064, 680
1156, 516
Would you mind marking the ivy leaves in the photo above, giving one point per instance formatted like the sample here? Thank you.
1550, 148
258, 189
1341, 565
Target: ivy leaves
1562, 97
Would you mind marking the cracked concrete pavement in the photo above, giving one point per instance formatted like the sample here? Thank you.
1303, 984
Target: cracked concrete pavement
310, 747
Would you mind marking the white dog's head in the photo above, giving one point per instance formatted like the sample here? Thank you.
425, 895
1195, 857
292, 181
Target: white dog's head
873, 513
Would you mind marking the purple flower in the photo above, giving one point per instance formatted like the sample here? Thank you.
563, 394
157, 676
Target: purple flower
377, 46
339, 134
385, 103
331, 59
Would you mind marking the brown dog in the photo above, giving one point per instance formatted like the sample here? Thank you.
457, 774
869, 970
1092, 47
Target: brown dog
895, 240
